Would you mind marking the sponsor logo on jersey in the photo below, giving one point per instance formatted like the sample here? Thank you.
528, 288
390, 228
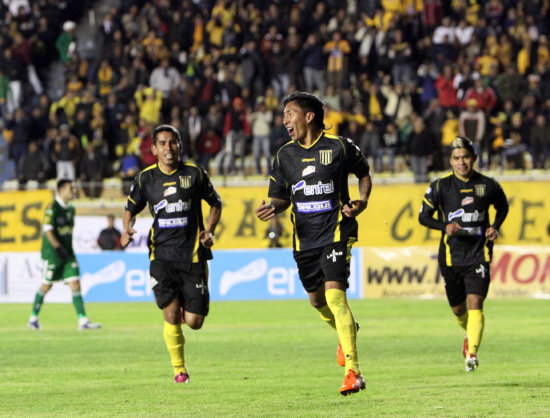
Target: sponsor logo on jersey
325, 156
173, 222
334, 254
170, 183
310, 190
479, 190
310, 207
308, 160
466, 190
308, 170
457, 214
178, 206
467, 216
169, 191
185, 182
467, 201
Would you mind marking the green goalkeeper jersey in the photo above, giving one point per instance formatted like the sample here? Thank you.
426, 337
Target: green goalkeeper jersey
59, 218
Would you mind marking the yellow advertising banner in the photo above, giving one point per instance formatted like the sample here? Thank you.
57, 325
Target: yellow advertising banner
21, 216
413, 272
391, 218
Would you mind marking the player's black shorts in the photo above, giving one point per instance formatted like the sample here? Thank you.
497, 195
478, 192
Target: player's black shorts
186, 281
328, 263
463, 280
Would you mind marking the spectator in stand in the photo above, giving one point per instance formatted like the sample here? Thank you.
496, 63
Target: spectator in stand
208, 145
420, 150
399, 106
371, 144
22, 48
19, 129
194, 128
446, 91
485, 97
515, 146
392, 144
260, 123
540, 142
149, 103
337, 50
164, 78
400, 52
66, 42
236, 130
147, 158
5, 94
109, 238
510, 85
65, 153
312, 57
33, 165
472, 124
92, 170
14, 70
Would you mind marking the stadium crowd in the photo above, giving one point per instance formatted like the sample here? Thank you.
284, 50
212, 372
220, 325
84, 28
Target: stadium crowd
401, 78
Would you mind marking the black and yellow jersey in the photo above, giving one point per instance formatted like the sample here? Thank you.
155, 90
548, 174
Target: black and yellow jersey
174, 200
467, 204
315, 180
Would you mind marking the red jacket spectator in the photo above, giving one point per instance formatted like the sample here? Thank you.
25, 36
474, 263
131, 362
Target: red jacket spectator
446, 92
236, 119
484, 95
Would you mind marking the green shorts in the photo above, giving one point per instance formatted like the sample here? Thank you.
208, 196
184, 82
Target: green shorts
68, 271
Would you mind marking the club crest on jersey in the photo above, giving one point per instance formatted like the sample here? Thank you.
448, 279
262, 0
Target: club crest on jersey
479, 190
325, 156
185, 182
308, 170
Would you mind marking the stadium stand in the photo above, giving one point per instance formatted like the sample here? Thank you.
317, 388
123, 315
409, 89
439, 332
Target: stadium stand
395, 76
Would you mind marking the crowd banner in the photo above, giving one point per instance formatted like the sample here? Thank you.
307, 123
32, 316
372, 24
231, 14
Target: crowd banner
118, 276
413, 272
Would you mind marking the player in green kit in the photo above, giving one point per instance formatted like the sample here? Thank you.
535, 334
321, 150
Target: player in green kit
58, 255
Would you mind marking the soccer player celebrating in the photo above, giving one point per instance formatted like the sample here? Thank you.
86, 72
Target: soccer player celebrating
311, 172
462, 199
179, 244
59, 261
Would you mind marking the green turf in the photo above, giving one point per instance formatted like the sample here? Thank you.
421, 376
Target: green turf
275, 359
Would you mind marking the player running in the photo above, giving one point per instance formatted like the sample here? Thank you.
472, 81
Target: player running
179, 244
311, 173
462, 199
59, 260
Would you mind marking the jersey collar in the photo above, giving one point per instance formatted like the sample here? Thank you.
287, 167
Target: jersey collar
61, 202
314, 142
171, 172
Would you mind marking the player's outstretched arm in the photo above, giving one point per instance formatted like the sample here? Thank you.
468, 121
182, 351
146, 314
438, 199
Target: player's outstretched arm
128, 230
266, 211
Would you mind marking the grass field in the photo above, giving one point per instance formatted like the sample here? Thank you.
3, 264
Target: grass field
275, 359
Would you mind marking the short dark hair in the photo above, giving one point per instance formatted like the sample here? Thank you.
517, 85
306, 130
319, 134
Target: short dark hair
308, 102
462, 142
62, 182
165, 128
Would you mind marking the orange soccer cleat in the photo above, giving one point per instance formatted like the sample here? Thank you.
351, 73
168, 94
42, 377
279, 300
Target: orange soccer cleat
353, 383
